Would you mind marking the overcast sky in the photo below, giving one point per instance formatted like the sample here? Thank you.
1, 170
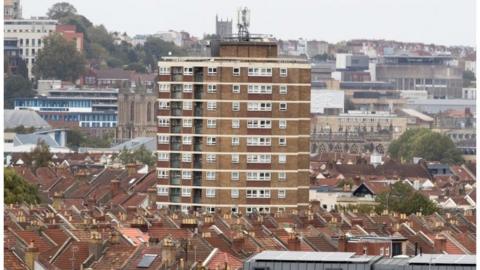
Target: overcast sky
447, 22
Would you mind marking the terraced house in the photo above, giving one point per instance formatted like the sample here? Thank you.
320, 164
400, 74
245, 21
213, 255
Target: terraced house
233, 130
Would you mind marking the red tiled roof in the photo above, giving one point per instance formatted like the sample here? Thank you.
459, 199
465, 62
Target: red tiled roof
41, 243
221, 258
11, 261
74, 250
135, 235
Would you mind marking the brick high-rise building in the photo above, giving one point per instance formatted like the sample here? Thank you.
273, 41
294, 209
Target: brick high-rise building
233, 130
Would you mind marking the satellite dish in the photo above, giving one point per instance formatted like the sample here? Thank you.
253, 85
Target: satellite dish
169, 53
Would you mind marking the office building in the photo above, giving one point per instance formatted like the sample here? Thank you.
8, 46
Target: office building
30, 34
93, 110
435, 74
233, 130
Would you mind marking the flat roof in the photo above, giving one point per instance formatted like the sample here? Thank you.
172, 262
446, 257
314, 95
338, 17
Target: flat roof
446, 259
233, 59
418, 114
308, 256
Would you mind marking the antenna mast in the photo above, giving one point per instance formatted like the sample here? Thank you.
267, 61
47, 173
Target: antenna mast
243, 22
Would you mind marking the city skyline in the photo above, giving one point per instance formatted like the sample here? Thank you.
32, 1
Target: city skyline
426, 22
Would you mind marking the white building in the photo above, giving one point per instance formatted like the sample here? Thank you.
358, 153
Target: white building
325, 99
30, 34
170, 36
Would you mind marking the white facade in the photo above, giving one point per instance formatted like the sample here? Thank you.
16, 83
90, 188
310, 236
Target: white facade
30, 34
170, 36
322, 99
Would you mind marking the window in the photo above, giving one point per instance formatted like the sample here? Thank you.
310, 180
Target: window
163, 122
235, 123
235, 141
259, 89
162, 191
164, 105
211, 210
258, 193
236, 89
186, 157
282, 141
210, 193
211, 105
187, 105
187, 140
259, 158
212, 88
282, 176
235, 158
283, 107
186, 175
235, 175
187, 71
283, 72
282, 193
163, 156
211, 140
260, 72
236, 71
259, 176
259, 124
282, 159
186, 192
235, 193
164, 70
282, 124
187, 88
163, 139
259, 141
211, 158
212, 70
283, 89
259, 106
211, 175
235, 106
162, 174
187, 122
211, 123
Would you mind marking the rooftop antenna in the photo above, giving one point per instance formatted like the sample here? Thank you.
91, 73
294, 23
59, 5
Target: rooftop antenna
243, 22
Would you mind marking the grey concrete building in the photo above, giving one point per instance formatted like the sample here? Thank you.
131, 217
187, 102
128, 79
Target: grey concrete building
432, 73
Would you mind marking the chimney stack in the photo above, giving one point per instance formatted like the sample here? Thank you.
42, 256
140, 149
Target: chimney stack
440, 243
293, 242
131, 169
152, 198
168, 252
57, 203
115, 187
95, 244
342, 243
31, 255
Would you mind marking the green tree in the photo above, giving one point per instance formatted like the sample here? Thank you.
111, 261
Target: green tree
402, 198
156, 48
61, 10
426, 144
144, 156
126, 157
39, 157
469, 78
17, 190
59, 59
16, 86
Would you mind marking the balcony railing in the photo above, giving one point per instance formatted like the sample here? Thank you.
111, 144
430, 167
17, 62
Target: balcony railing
176, 129
176, 95
175, 146
176, 112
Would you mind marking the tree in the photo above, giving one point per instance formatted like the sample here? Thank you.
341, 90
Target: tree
61, 10
59, 59
402, 198
16, 86
126, 157
39, 157
144, 156
17, 190
426, 144
156, 48
468, 78
76, 138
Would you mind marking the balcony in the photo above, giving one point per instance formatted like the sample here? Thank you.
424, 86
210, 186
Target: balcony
198, 129
198, 74
197, 164
175, 198
176, 94
176, 129
198, 94
176, 112
175, 163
